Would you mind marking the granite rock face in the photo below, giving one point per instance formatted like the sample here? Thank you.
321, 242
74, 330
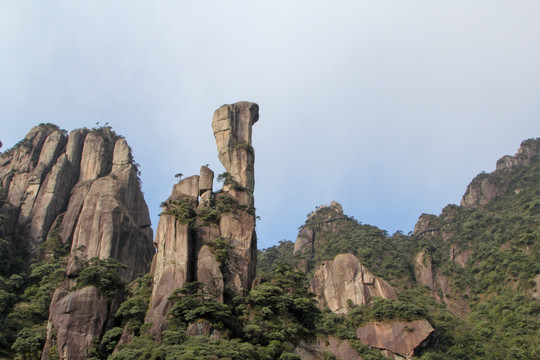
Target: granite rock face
232, 129
486, 187
84, 188
439, 285
345, 279
210, 236
75, 319
86, 185
397, 337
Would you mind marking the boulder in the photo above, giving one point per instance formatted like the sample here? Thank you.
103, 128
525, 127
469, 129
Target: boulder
76, 318
206, 180
345, 279
404, 338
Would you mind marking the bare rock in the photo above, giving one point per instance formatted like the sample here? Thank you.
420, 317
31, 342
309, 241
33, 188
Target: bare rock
460, 257
239, 229
209, 272
187, 187
206, 180
341, 349
203, 327
345, 279
485, 187
76, 318
96, 159
399, 337
232, 129
171, 267
482, 190
424, 270
439, 284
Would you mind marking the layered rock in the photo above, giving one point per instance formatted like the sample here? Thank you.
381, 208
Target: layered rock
397, 337
345, 280
206, 236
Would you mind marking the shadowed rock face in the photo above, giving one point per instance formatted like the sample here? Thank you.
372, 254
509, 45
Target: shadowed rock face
345, 278
84, 186
187, 252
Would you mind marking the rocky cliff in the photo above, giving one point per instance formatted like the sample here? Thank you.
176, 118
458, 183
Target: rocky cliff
84, 184
210, 236
82, 190
486, 187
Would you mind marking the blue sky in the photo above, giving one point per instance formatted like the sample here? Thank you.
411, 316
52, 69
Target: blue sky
388, 107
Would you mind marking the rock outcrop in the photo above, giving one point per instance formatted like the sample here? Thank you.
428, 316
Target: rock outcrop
85, 184
76, 318
486, 187
232, 129
84, 187
439, 285
345, 280
210, 236
324, 218
397, 337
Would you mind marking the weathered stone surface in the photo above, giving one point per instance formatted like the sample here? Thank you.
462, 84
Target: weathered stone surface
203, 327
309, 351
232, 129
239, 229
96, 159
341, 349
322, 217
209, 272
439, 284
187, 187
102, 215
481, 191
399, 337
171, 267
460, 257
206, 180
184, 253
486, 187
114, 222
76, 318
345, 278
423, 269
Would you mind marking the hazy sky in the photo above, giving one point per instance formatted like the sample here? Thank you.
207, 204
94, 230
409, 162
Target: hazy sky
388, 107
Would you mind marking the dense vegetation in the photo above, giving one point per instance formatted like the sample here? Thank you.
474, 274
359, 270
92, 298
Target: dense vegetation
265, 324
496, 281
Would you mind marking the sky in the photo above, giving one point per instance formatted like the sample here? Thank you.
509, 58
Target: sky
388, 107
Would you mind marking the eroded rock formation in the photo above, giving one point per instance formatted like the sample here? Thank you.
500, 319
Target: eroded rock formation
206, 236
86, 185
344, 280
486, 187
397, 337
83, 187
